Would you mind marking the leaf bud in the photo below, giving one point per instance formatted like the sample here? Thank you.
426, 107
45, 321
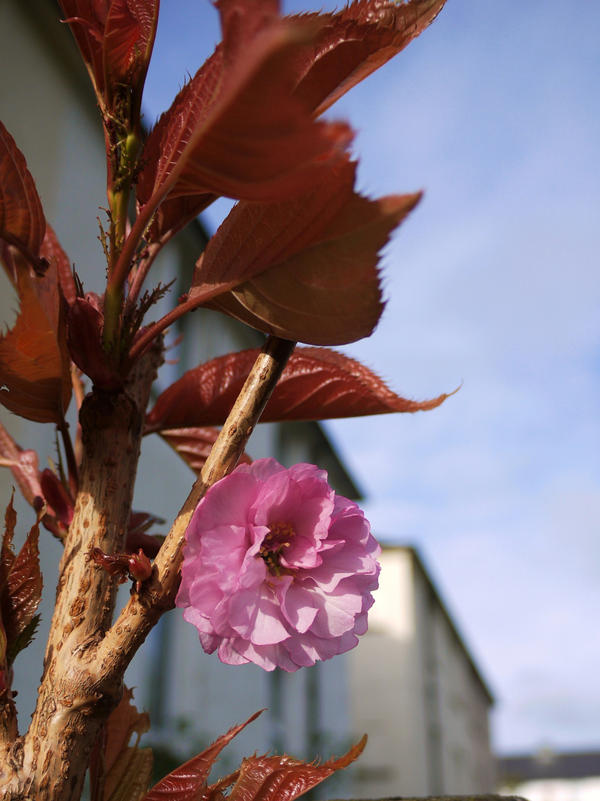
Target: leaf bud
140, 567
84, 338
56, 496
132, 146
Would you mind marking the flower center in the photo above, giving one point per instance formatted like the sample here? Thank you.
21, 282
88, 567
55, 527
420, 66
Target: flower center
279, 538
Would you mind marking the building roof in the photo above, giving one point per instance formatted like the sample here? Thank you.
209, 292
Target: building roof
546, 764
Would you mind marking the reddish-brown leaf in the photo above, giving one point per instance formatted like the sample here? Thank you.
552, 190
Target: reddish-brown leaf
5, 678
114, 763
215, 792
186, 782
22, 222
140, 522
243, 20
173, 214
128, 40
52, 251
115, 38
23, 465
166, 141
305, 269
7, 555
22, 590
187, 112
35, 378
235, 129
57, 497
87, 19
130, 775
355, 42
84, 323
256, 236
282, 778
194, 445
148, 543
316, 384
9, 259
123, 722
137, 538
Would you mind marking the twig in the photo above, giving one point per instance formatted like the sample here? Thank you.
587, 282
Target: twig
193, 301
63, 427
142, 611
137, 279
72, 703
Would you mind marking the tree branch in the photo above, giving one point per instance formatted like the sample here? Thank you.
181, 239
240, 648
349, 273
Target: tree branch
142, 611
73, 701
84, 666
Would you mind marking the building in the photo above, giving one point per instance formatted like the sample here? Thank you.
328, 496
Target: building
417, 692
411, 685
551, 776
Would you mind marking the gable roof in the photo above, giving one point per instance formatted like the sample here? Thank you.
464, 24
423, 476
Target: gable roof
547, 764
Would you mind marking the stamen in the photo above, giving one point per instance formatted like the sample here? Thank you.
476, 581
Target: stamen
279, 538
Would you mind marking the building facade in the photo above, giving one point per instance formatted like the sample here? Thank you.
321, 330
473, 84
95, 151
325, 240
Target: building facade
417, 692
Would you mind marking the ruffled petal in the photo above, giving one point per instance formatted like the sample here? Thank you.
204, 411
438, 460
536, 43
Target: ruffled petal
229, 655
299, 608
257, 617
278, 570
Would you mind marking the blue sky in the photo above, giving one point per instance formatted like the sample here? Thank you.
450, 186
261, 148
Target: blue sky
492, 282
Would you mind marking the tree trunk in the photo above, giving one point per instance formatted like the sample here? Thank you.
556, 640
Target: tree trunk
74, 700
86, 657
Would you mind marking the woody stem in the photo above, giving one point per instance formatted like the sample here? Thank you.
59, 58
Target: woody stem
143, 610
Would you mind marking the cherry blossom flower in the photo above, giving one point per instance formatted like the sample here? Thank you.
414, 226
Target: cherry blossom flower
278, 569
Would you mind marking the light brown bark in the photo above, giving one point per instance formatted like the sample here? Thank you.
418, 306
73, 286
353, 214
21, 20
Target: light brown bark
74, 699
142, 611
86, 657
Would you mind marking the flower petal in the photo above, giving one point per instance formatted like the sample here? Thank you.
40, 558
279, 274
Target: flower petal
299, 607
278, 570
257, 617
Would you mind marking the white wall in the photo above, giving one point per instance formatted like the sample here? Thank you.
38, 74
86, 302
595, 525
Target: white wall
414, 691
386, 693
587, 789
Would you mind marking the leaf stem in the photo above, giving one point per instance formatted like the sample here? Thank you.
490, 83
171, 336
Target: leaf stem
118, 275
149, 335
63, 427
142, 271
123, 264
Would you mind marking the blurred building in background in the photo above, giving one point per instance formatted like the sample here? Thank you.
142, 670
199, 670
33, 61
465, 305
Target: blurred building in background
417, 692
551, 776
411, 684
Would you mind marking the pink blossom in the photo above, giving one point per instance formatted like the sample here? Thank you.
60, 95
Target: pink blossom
278, 569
